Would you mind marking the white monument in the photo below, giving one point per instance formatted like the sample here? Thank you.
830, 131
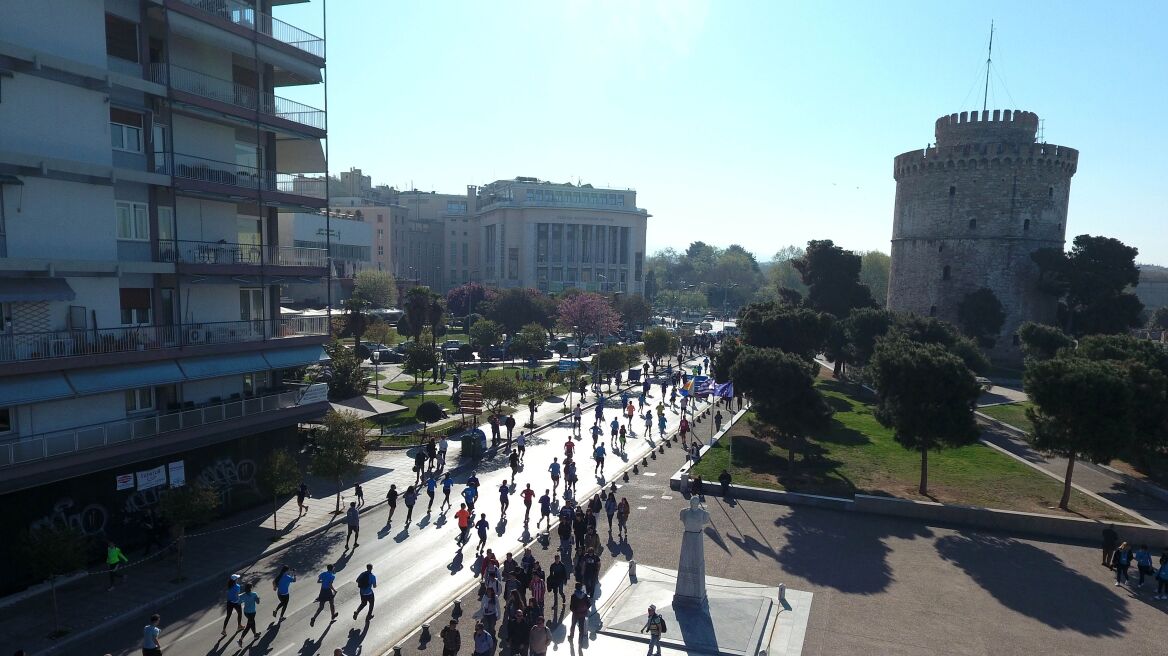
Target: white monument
691, 567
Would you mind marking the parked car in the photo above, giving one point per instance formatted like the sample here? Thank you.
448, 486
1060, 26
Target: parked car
451, 343
387, 356
365, 350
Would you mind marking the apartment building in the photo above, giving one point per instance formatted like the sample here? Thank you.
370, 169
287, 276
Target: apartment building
439, 239
551, 236
145, 156
348, 236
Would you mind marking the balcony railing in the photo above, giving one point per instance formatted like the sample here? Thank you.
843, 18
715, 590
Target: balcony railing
51, 445
190, 167
245, 15
206, 252
72, 343
239, 95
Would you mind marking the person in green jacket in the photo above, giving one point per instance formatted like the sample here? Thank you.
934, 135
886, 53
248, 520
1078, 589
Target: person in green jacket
113, 559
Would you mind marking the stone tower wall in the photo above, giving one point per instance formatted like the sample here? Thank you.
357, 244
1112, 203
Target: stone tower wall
979, 202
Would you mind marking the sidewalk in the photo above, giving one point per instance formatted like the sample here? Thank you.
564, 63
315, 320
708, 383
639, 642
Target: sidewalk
87, 607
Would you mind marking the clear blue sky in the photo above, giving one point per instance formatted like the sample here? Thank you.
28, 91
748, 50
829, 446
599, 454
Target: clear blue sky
764, 123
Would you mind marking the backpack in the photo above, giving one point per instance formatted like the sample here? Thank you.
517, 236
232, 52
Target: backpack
661, 624
363, 579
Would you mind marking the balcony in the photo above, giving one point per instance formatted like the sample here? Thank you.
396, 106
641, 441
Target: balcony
237, 95
245, 15
73, 343
189, 417
257, 255
219, 177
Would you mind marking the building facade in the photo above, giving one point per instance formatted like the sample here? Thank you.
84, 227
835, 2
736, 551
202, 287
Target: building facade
145, 157
969, 213
347, 235
552, 237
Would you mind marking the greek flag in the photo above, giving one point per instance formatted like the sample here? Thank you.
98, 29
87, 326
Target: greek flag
703, 386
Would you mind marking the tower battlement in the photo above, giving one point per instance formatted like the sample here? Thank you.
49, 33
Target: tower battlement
985, 155
1015, 126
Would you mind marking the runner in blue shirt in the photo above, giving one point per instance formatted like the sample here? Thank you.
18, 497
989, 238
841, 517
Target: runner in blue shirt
545, 508
483, 526
554, 468
469, 495
447, 485
614, 427
282, 586
598, 456
150, 646
250, 600
596, 431
366, 581
233, 592
327, 592
431, 488
661, 425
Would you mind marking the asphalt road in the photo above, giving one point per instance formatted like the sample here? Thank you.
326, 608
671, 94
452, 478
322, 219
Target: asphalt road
418, 565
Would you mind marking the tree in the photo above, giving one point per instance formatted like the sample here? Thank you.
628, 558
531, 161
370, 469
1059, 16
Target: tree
356, 321
1093, 279
499, 391
380, 332
466, 298
340, 448
1082, 409
484, 334
1159, 320
588, 315
609, 360
515, 308
926, 395
184, 507
427, 413
980, 316
782, 390
435, 313
783, 274
658, 342
417, 309
376, 288
1042, 342
50, 551
634, 310
832, 276
874, 268
799, 331
1145, 364
929, 330
346, 378
725, 357
861, 330
530, 342
651, 288
418, 359
280, 476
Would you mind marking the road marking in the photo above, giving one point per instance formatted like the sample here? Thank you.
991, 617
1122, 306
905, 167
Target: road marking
650, 473
646, 496
666, 497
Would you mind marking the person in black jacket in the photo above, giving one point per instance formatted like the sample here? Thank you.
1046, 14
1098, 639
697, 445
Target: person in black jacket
557, 577
580, 604
518, 630
451, 639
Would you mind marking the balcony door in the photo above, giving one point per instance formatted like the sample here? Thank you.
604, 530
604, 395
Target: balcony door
251, 309
250, 237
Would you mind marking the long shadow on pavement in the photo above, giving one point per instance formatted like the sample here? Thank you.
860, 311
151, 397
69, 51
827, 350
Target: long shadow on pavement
1036, 583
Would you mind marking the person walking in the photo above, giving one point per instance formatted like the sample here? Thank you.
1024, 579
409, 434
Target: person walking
366, 582
431, 455
717, 421
410, 498
590, 565
250, 600
114, 558
1143, 559
1162, 577
724, 480
539, 637
233, 605
443, 447
431, 488
556, 578
521, 445
598, 456
451, 639
545, 508
283, 587
504, 498
494, 422
510, 424
419, 465
463, 517
655, 626
150, 633
360, 494
554, 469
490, 604
622, 517
482, 526
683, 430
353, 521
327, 593
528, 496
513, 460
447, 485
579, 605
301, 495
518, 630
484, 643
577, 414
610, 507
391, 501
1121, 560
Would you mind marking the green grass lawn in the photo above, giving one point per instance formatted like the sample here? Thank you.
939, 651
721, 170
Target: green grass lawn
408, 385
858, 455
1011, 413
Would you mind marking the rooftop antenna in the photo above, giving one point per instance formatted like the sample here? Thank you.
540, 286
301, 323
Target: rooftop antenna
989, 58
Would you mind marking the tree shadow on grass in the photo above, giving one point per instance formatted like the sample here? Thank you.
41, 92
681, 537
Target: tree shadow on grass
814, 473
845, 552
1036, 583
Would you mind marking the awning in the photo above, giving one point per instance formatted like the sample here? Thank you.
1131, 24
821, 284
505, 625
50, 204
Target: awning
367, 406
15, 390
17, 290
295, 357
11, 180
125, 377
213, 366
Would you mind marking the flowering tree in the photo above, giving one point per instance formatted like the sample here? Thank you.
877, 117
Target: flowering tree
463, 300
588, 315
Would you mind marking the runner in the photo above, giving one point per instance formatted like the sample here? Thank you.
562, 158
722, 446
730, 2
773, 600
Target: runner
410, 498
615, 428
482, 526
113, 560
327, 592
447, 485
598, 456
521, 444
233, 605
622, 517
648, 425
673, 397
431, 488
622, 437
443, 447
569, 476
463, 517
576, 415
641, 402
545, 508
554, 468
528, 495
684, 403
366, 581
353, 521
282, 585
301, 495
391, 499
630, 412
596, 433
150, 644
514, 460
682, 429
661, 425
250, 600
469, 494
569, 448
504, 498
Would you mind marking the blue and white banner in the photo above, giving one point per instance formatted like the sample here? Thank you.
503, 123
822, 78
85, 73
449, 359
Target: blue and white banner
724, 390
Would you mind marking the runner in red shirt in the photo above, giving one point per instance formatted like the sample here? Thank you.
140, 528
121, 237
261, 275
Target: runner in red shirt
528, 494
463, 517
569, 448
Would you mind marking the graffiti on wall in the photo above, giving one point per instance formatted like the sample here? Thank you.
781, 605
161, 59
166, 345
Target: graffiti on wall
89, 520
226, 475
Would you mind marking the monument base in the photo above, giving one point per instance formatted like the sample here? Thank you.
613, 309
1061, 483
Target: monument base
737, 619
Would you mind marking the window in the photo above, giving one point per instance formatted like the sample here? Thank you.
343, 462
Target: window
637, 265
513, 263
933, 311
945, 273
453, 254
941, 248
973, 224
125, 130
133, 221
135, 305
1026, 224
121, 38
139, 400
952, 190
465, 254
380, 249
456, 207
1050, 193
5, 420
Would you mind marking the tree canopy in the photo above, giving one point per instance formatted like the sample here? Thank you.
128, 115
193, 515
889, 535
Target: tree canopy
484, 334
375, 288
1042, 342
588, 315
1093, 280
832, 276
658, 342
633, 309
345, 377
514, 308
529, 342
339, 448
466, 298
499, 391
799, 331
980, 316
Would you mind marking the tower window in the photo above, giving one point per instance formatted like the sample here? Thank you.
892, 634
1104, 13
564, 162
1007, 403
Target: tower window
1050, 192
945, 273
1060, 226
933, 311
1026, 224
972, 224
952, 190
941, 248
